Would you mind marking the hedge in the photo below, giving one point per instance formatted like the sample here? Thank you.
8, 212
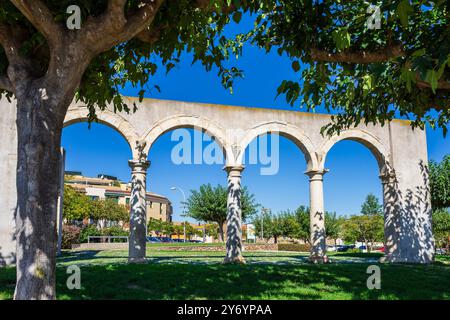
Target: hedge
294, 247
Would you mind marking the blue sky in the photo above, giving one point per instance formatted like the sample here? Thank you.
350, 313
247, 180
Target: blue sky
353, 170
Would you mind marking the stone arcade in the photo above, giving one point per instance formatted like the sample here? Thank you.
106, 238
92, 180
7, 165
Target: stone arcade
401, 154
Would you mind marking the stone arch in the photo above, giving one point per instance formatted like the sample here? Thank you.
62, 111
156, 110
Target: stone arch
364, 137
188, 121
108, 118
286, 130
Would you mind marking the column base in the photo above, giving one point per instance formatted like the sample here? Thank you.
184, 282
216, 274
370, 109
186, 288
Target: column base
137, 260
235, 260
319, 259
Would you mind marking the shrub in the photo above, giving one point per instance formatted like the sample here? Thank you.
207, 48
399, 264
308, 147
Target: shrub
294, 247
71, 235
115, 231
89, 230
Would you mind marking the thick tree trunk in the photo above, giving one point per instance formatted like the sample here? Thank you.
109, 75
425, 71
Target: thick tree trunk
39, 140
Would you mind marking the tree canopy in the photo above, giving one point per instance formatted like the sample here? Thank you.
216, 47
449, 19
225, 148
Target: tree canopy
122, 38
209, 204
364, 71
371, 206
78, 206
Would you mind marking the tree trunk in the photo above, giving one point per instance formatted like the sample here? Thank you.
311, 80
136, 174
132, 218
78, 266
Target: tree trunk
275, 239
39, 140
221, 235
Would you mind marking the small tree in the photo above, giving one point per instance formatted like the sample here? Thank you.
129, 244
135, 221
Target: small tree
371, 206
178, 230
440, 183
212, 230
364, 228
103, 211
303, 219
441, 227
156, 226
76, 205
210, 204
332, 226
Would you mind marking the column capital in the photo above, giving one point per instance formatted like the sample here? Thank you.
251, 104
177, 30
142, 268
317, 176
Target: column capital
139, 166
316, 174
234, 170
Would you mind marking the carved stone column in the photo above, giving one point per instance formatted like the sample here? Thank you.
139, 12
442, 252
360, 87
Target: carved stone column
138, 211
317, 216
234, 216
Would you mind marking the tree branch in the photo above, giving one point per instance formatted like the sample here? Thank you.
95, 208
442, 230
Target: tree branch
151, 35
442, 85
9, 41
40, 17
115, 26
358, 57
5, 83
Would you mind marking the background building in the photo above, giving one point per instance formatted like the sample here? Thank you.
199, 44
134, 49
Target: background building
108, 187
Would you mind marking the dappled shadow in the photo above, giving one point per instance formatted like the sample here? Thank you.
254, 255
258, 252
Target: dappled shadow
174, 281
234, 216
138, 210
318, 237
408, 230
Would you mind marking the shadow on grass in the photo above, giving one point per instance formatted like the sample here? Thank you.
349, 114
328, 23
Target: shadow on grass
188, 281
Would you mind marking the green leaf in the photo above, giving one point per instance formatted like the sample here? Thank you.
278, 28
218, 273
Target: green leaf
419, 53
237, 16
404, 9
341, 38
296, 66
407, 76
367, 84
432, 79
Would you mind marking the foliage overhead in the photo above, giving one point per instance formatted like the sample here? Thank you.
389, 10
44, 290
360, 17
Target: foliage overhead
365, 74
193, 26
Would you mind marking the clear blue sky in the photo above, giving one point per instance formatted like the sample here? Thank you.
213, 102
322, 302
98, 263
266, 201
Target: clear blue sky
353, 170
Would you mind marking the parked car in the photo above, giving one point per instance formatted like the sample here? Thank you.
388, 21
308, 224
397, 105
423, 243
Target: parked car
153, 240
345, 248
165, 239
363, 248
331, 248
196, 241
380, 249
440, 251
178, 240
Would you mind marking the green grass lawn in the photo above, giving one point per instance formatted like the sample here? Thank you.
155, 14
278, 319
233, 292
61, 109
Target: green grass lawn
268, 275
